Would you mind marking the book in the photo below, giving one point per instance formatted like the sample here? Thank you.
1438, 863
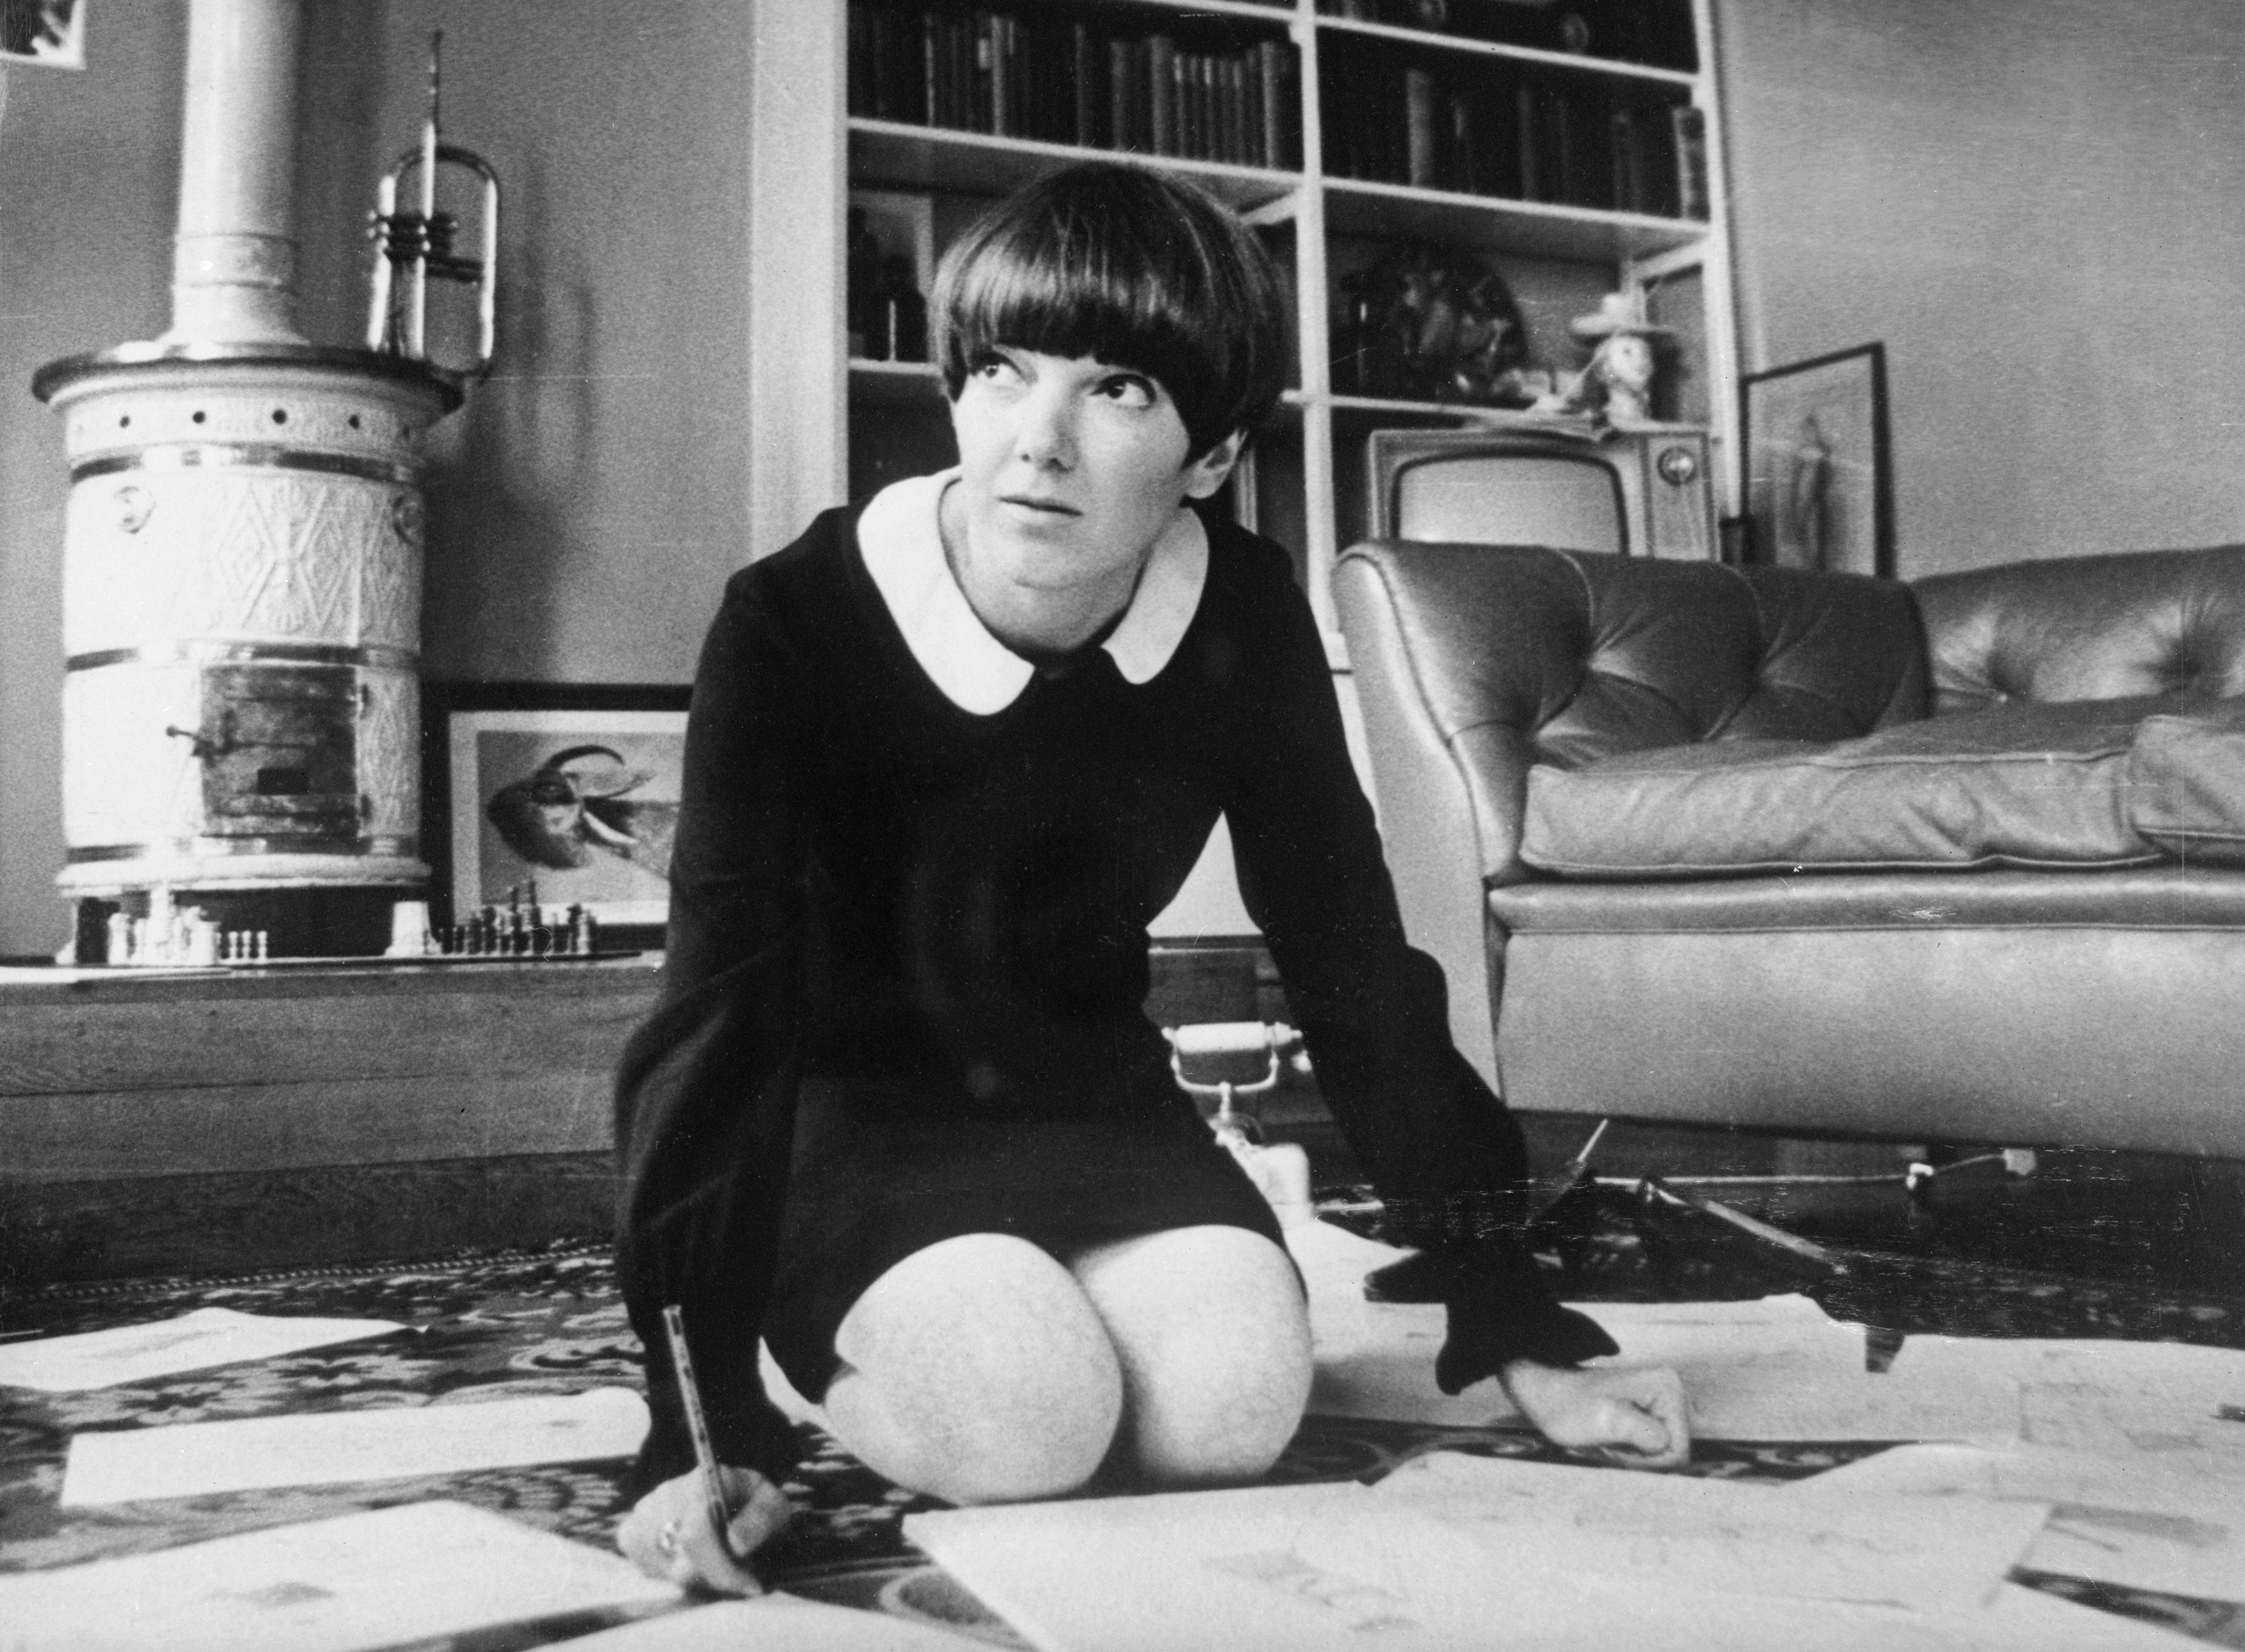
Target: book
1162, 104
1419, 128
1272, 65
1690, 131
1084, 87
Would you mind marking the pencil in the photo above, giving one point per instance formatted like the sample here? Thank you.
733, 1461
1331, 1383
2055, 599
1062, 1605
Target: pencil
697, 1425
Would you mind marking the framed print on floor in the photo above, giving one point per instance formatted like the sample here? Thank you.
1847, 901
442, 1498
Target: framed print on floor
1820, 491
568, 788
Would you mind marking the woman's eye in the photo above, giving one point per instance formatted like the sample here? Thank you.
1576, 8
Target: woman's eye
1128, 391
993, 368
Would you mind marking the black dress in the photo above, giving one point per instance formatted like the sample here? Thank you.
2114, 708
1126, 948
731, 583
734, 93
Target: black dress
908, 950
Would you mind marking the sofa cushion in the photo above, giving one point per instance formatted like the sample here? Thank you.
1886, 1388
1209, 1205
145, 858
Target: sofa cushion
2020, 784
2188, 795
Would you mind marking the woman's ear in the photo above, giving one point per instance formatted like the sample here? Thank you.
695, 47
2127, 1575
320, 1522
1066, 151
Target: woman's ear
1206, 474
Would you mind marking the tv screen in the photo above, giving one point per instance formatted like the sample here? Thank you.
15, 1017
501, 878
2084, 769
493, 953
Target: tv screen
1520, 497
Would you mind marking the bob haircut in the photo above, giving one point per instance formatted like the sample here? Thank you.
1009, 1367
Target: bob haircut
1131, 268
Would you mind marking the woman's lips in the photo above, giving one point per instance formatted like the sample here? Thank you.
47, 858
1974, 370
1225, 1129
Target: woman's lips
1042, 507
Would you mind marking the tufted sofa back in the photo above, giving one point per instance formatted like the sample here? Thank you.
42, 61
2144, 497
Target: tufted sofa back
2099, 627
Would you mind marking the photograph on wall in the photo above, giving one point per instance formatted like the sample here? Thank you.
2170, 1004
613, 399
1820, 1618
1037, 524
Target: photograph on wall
48, 33
574, 795
1819, 492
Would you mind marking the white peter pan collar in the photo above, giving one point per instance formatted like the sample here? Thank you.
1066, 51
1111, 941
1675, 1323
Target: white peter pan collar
898, 536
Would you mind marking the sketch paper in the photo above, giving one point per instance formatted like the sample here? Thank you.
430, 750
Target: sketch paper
777, 1623
2151, 1412
1377, 1359
1314, 1569
1294, 1568
325, 1448
1778, 1400
2019, 1620
2195, 1547
363, 1580
2160, 1382
1720, 1537
133, 1353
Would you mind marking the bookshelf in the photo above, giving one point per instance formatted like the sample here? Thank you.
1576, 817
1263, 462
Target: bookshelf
1544, 137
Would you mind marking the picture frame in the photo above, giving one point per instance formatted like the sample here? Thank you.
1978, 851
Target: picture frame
50, 33
1818, 477
570, 788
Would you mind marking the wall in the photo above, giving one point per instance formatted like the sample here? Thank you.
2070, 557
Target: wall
586, 505
2032, 202
2035, 205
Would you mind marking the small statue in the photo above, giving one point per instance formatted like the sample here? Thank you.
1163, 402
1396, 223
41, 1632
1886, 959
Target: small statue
1616, 385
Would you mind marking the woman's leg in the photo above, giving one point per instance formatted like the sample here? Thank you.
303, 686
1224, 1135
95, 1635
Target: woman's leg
1213, 1336
977, 1370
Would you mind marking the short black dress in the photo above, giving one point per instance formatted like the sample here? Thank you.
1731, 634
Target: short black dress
902, 998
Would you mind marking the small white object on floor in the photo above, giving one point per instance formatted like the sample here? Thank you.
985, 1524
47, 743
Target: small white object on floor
327, 1448
134, 1353
363, 1580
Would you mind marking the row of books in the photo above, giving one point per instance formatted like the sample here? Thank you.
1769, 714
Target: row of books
1027, 74
1511, 131
1659, 33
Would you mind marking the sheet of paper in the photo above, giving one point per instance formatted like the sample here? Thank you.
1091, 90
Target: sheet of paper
2156, 1412
776, 1622
1720, 1537
1296, 1568
2180, 1375
1777, 1399
2019, 1620
133, 1353
323, 1448
363, 1580
1377, 1359
2196, 1548
1308, 1568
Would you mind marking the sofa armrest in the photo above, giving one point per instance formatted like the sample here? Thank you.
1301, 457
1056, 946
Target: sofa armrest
2094, 628
1473, 663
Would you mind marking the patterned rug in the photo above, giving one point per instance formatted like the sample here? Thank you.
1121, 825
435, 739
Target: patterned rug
482, 1327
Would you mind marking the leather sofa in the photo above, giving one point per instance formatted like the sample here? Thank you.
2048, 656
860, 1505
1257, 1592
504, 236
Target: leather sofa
1994, 994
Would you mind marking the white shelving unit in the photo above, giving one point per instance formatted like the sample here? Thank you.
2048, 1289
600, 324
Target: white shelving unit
821, 421
825, 428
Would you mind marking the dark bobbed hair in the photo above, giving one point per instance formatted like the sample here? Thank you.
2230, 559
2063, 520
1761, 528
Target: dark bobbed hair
1133, 268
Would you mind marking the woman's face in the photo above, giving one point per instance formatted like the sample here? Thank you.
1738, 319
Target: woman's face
1070, 470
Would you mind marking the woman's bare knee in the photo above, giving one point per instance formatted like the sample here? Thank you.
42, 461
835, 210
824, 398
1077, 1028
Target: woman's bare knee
1213, 1336
977, 1370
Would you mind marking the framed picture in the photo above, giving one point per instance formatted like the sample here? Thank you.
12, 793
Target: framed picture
50, 32
569, 790
1820, 493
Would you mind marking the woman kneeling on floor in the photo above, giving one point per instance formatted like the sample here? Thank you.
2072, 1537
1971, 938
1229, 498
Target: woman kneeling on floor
900, 1113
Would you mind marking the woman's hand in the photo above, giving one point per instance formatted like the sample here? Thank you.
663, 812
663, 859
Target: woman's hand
1635, 1418
669, 1533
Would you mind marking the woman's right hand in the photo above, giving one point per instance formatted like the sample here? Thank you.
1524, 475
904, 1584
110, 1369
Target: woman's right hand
669, 1533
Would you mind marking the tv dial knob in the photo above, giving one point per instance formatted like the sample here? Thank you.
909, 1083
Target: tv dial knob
1677, 465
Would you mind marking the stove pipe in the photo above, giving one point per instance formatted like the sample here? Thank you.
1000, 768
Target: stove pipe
242, 562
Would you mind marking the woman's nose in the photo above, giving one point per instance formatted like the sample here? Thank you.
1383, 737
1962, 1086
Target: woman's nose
1046, 431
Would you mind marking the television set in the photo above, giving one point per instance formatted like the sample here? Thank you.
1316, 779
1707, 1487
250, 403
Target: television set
1641, 492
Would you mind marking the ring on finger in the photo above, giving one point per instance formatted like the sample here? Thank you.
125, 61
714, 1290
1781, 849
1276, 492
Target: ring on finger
666, 1540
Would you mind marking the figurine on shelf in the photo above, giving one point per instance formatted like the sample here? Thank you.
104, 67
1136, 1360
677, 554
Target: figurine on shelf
1616, 385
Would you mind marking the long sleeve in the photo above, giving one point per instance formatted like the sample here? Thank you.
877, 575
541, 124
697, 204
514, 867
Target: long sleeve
705, 1093
1446, 1159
